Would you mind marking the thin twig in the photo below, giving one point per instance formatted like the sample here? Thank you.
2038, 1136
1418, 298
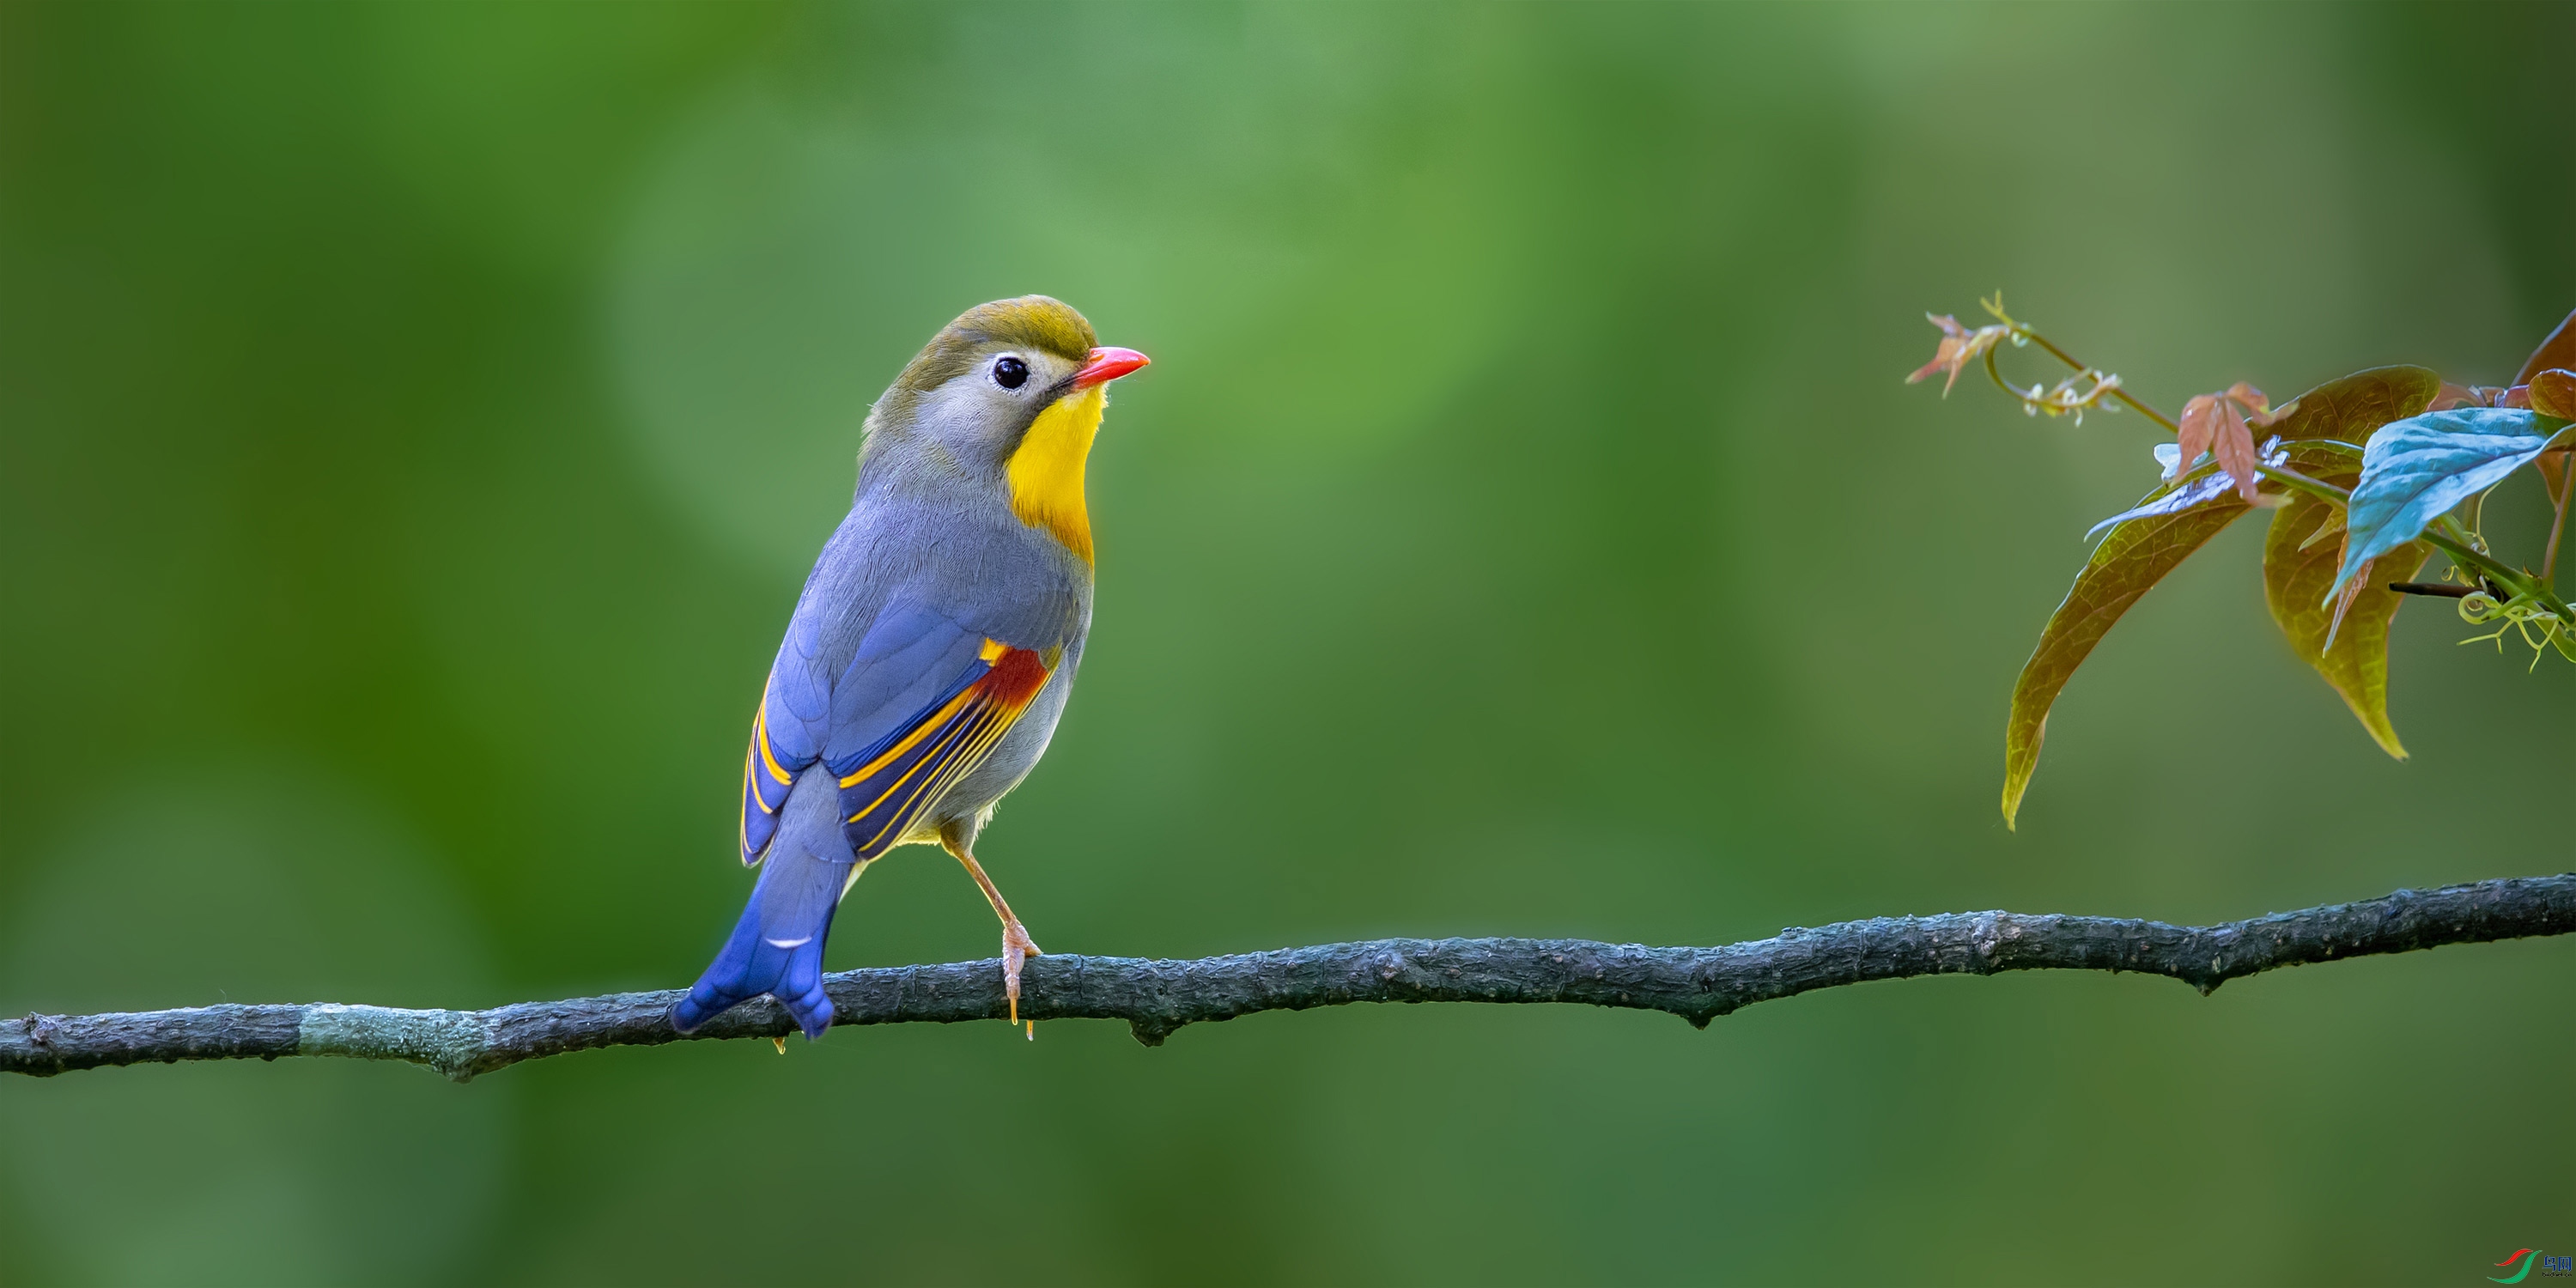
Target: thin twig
2122, 393
2436, 589
1158, 997
2315, 487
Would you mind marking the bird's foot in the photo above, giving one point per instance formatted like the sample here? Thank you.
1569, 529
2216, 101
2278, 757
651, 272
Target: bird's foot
1017, 948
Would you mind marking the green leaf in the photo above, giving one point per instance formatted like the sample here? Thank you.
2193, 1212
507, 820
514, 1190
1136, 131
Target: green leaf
2295, 575
2141, 550
2301, 550
2414, 470
2126, 565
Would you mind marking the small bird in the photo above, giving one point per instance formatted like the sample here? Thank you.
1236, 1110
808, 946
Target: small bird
931, 652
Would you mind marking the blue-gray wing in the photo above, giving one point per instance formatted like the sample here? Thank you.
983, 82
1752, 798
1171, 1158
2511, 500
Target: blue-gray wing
918, 706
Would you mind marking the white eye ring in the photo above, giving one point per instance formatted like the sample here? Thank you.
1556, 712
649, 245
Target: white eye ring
1009, 371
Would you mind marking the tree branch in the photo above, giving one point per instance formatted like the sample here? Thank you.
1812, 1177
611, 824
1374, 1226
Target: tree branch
1157, 997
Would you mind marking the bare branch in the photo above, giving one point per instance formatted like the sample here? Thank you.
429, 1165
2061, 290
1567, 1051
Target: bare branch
1158, 997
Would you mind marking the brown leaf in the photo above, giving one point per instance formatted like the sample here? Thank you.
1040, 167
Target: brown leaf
2349, 645
2124, 567
2553, 393
2348, 408
2351, 590
2559, 350
2455, 396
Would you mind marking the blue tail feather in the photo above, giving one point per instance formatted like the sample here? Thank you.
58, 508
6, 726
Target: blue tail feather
777, 946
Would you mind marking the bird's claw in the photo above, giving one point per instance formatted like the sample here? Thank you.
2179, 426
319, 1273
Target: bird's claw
1017, 948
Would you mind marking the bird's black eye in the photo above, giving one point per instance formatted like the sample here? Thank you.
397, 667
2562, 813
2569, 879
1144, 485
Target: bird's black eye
1009, 372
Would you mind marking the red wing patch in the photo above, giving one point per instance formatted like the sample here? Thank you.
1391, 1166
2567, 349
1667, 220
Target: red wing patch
887, 789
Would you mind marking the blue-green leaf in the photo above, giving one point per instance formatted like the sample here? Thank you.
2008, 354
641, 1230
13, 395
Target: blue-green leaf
2414, 470
2195, 492
2205, 482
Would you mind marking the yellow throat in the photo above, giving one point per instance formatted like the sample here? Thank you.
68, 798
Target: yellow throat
1046, 471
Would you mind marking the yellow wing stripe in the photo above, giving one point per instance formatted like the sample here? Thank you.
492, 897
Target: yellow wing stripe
986, 734
931, 762
927, 727
943, 770
979, 735
760, 738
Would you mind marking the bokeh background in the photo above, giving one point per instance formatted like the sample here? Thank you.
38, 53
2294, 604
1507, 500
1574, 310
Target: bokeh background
416, 422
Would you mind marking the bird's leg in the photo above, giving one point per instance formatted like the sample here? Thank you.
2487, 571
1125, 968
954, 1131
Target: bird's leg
1017, 947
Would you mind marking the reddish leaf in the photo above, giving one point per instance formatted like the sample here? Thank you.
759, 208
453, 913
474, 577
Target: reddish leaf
2234, 447
2553, 393
2559, 350
2351, 590
1959, 346
2215, 423
2198, 426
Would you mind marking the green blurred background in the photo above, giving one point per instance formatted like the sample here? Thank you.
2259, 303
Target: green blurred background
419, 420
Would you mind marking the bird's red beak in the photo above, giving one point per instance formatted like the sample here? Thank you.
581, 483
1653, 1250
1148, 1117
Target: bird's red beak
1107, 365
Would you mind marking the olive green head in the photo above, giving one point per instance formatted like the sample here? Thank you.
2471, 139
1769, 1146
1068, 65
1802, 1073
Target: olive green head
1026, 327
1008, 396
